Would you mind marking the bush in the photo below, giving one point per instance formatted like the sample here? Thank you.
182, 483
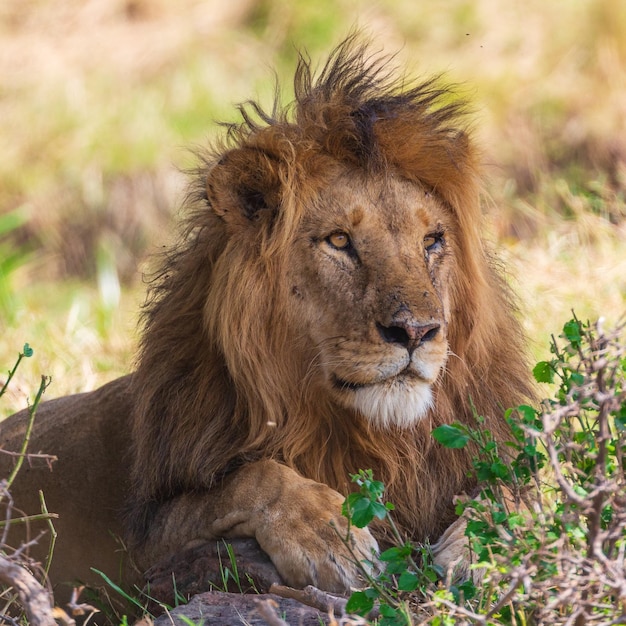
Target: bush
547, 530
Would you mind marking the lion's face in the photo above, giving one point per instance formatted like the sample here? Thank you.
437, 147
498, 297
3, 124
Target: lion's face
368, 277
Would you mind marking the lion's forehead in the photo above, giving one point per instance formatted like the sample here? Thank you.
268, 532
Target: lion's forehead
391, 200
388, 215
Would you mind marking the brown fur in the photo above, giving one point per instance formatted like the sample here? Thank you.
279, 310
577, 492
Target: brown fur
217, 382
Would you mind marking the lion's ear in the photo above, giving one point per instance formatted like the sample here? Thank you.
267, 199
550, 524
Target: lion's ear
244, 186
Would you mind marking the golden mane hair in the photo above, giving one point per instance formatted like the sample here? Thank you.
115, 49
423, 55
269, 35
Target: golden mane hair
218, 379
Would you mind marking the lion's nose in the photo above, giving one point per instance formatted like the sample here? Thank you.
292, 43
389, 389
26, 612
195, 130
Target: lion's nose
408, 332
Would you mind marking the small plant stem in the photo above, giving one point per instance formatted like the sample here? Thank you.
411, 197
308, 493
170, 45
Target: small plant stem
43, 385
398, 537
20, 356
53, 532
371, 581
29, 518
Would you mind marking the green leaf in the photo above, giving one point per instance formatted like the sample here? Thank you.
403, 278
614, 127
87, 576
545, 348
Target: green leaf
527, 413
348, 504
499, 517
500, 470
359, 603
361, 513
379, 510
395, 553
27, 351
389, 612
408, 581
543, 372
469, 589
450, 436
572, 331
432, 573
476, 527
516, 521
577, 378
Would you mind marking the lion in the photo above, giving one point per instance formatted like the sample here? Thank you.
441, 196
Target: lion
331, 300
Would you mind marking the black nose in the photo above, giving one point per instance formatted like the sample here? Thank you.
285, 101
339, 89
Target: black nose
408, 332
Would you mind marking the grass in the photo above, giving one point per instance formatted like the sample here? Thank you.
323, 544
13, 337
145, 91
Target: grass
78, 342
98, 115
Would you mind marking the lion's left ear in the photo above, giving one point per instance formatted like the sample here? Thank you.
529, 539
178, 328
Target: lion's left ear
244, 186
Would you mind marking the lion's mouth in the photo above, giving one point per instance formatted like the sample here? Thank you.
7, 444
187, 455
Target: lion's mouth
346, 385
401, 399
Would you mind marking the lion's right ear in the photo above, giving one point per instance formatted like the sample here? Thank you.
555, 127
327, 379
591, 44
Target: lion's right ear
244, 186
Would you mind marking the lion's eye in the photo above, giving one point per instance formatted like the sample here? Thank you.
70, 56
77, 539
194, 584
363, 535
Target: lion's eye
339, 240
433, 242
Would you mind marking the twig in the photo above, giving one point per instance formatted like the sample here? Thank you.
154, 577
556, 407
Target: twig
555, 462
49, 458
81, 608
29, 544
33, 597
267, 610
29, 518
312, 596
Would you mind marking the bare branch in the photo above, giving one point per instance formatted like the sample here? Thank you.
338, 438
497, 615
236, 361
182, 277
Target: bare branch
312, 596
33, 597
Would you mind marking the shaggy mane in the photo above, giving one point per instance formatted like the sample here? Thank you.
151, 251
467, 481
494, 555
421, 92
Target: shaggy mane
215, 379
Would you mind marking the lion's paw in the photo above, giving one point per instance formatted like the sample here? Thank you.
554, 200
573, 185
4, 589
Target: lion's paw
452, 554
309, 543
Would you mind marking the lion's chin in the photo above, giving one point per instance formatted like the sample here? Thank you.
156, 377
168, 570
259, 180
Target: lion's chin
391, 404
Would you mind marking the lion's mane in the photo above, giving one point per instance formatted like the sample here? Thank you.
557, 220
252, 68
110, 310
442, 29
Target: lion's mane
215, 378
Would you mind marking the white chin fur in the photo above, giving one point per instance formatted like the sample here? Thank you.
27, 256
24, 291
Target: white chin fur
398, 405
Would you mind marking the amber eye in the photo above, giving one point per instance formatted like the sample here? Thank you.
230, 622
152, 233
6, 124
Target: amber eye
339, 240
433, 242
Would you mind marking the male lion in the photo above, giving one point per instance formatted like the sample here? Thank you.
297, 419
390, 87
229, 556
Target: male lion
330, 303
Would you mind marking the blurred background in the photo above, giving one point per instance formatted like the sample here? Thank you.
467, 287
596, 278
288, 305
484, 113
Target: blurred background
100, 101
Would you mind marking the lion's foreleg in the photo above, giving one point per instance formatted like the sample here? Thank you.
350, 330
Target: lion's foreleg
296, 521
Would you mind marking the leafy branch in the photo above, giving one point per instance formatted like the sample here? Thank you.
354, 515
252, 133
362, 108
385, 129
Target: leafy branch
548, 528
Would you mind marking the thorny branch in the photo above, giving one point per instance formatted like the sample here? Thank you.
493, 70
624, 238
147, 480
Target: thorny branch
590, 572
573, 573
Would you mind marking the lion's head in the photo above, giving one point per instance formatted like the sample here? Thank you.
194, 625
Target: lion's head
353, 305
331, 300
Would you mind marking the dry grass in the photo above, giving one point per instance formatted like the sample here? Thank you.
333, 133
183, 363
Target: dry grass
100, 97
